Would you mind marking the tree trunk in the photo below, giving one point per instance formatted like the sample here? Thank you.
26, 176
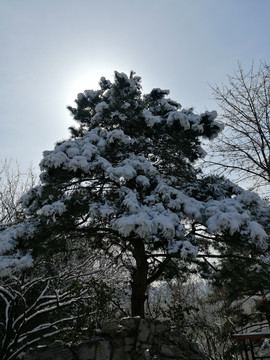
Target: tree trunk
139, 279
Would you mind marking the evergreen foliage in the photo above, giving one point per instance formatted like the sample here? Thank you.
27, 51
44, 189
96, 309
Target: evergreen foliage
124, 185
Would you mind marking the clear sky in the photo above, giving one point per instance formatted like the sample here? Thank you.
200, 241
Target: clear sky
51, 50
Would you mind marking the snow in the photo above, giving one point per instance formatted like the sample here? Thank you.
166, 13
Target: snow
257, 232
193, 208
249, 198
119, 135
150, 119
119, 115
181, 117
52, 210
137, 199
10, 235
57, 159
148, 221
166, 105
126, 105
126, 172
188, 250
177, 200
162, 214
101, 210
166, 223
101, 107
197, 128
74, 155
140, 224
161, 91
80, 96
14, 263
89, 94
143, 181
231, 215
88, 151
72, 151
230, 221
78, 163
131, 203
9, 239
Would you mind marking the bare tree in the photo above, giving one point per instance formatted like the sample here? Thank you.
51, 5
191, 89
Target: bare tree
35, 308
244, 149
13, 184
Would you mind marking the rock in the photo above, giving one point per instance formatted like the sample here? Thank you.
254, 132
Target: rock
144, 331
147, 354
85, 350
127, 339
54, 351
120, 354
130, 341
103, 350
128, 349
110, 326
169, 351
131, 323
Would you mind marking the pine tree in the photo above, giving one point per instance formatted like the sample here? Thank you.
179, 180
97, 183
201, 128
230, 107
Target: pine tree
125, 183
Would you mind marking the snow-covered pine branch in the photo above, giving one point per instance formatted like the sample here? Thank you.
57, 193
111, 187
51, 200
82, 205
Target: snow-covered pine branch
128, 168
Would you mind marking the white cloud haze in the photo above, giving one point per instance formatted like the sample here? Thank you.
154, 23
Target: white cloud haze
51, 50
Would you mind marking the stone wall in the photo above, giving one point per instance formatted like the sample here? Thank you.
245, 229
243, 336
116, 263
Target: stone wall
126, 339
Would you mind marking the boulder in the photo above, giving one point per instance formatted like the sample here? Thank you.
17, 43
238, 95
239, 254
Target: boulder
55, 351
126, 339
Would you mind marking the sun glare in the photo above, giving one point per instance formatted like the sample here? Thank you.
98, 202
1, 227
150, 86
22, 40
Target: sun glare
82, 80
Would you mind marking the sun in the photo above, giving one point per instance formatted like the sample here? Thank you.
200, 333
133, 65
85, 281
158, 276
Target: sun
86, 79
86, 76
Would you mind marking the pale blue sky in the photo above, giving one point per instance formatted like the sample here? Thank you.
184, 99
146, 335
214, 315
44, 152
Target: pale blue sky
51, 50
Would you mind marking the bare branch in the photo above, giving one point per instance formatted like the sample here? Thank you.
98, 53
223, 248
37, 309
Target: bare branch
244, 148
